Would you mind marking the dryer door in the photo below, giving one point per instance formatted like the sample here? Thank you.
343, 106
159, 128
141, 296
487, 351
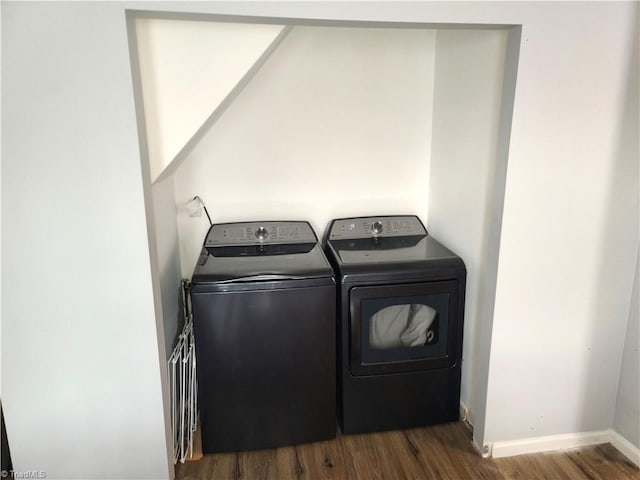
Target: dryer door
407, 327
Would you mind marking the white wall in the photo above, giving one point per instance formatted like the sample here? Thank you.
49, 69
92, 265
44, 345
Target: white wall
81, 378
187, 69
627, 409
569, 227
627, 416
165, 236
468, 90
336, 123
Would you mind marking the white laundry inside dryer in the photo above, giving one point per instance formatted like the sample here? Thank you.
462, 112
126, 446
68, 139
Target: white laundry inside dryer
405, 325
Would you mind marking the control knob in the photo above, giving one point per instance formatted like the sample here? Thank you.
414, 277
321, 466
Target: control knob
376, 227
261, 233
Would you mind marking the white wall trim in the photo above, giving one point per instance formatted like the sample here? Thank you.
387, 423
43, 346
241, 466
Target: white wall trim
553, 443
466, 416
550, 443
625, 447
565, 442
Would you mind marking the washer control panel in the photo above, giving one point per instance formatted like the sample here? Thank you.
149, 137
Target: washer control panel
259, 233
364, 227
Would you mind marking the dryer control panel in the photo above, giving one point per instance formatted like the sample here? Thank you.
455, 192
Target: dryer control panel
259, 233
367, 227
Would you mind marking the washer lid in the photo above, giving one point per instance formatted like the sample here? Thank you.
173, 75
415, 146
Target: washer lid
261, 252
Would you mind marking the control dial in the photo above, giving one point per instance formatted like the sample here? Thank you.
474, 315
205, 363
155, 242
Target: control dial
261, 233
376, 227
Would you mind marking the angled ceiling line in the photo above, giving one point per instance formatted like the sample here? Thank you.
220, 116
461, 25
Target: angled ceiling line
222, 107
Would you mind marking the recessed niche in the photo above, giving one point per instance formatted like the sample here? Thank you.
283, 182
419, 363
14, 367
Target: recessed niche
292, 120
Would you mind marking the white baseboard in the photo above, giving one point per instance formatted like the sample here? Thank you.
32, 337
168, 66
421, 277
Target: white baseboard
625, 447
549, 443
554, 442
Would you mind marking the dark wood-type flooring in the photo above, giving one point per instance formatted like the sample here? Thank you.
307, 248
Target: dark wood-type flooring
438, 452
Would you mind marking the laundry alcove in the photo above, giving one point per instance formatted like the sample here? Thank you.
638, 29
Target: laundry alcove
289, 119
79, 212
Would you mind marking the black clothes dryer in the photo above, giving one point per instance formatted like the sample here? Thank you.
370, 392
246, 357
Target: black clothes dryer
400, 318
263, 297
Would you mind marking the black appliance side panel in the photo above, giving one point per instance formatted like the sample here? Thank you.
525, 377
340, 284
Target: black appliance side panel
266, 367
